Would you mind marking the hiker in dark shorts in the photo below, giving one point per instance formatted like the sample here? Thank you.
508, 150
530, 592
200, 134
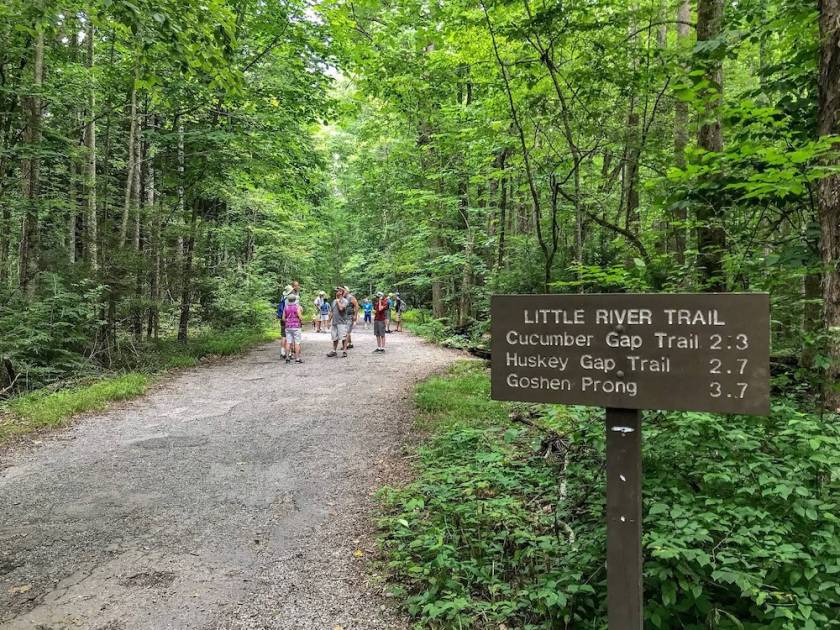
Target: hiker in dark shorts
399, 309
352, 315
367, 307
380, 310
338, 321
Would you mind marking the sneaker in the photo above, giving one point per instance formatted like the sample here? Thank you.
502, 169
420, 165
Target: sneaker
298, 360
332, 353
343, 355
350, 346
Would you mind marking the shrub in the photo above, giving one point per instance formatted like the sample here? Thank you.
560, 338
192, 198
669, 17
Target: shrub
740, 529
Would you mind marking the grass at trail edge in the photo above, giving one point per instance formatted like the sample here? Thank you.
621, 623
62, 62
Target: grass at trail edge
49, 409
503, 525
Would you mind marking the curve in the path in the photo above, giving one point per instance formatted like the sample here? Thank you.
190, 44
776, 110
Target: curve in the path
234, 496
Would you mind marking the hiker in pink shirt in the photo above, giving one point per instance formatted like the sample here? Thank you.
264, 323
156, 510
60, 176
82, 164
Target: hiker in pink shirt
293, 316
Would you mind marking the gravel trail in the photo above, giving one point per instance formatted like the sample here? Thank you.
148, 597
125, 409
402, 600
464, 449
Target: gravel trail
236, 495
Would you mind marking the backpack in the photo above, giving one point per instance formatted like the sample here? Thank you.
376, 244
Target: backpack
281, 307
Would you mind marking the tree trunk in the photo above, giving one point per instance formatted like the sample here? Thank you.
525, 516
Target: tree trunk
502, 207
6, 217
92, 236
437, 285
631, 170
681, 133
72, 215
30, 170
711, 239
153, 209
186, 276
130, 170
828, 123
137, 314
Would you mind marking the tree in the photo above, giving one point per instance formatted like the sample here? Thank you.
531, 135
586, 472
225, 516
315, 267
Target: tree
828, 124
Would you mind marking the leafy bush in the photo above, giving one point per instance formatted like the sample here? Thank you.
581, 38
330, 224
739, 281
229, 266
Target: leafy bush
741, 521
52, 335
231, 302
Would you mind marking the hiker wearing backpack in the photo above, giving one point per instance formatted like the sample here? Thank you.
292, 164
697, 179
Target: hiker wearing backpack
367, 306
281, 309
293, 316
352, 315
399, 309
338, 320
322, 306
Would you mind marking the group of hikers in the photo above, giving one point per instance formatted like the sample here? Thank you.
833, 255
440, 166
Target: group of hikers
338, 317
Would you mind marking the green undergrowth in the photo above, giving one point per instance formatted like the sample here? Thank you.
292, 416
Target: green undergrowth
44, 409
504, 523
422, 323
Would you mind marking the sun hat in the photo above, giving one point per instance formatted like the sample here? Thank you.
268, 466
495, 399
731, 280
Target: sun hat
322, 292
287, 290
380, 294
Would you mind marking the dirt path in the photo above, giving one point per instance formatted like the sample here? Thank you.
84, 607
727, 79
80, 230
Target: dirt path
235, 496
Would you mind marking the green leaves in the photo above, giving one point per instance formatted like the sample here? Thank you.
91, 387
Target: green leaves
740, 528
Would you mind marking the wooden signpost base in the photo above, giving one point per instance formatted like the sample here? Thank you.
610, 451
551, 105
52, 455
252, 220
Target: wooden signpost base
624, 519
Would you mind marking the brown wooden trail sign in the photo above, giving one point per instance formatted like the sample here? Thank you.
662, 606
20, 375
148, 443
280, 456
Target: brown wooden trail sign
625, 352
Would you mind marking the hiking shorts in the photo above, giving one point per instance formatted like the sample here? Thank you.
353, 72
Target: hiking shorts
339, 332
293, 335
397, 316
379, 328
325, 317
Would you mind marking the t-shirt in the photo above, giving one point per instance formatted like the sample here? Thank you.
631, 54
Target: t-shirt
292, 315
368, 306
340, 317
381, 310
324, 306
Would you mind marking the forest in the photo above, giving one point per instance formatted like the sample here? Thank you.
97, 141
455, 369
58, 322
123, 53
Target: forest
167, 166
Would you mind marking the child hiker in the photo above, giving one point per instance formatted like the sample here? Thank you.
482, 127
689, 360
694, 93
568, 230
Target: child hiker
293, 315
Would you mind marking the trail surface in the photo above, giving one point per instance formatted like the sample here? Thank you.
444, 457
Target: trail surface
236, 495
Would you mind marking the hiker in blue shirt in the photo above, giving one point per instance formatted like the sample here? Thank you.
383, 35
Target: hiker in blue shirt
367, 306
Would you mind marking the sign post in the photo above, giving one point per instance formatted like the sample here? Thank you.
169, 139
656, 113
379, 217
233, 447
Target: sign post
626, 352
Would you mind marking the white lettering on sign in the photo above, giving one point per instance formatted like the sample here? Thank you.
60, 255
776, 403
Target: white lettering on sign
589, 384
553, 316
638, 364
562, 340
538, 382
617, 340
616, 316
688, 317
588, 362
513, 359
704, 352
679, 342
